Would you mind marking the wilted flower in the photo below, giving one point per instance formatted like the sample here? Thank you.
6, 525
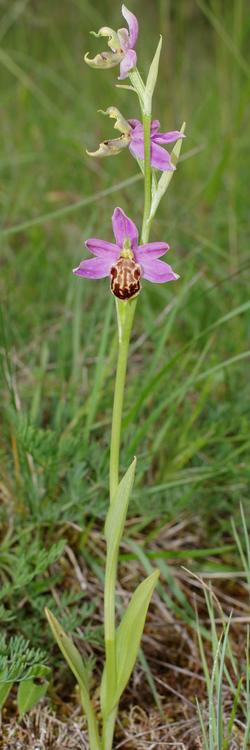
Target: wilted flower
125, 262
121, 43
133, 137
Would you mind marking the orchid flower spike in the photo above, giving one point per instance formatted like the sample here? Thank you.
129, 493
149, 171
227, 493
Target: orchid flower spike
133, 137
124, 261
121, 43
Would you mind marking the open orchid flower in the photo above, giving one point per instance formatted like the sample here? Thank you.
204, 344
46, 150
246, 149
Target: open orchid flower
121, 43
132, 136
124, 261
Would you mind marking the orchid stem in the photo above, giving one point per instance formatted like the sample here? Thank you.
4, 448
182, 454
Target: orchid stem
139, 87
108, 730
125, 316
147, 179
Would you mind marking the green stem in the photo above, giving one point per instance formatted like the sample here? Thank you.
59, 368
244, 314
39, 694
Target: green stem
108, 730
147, 178
125, 316
94, 739
139, 87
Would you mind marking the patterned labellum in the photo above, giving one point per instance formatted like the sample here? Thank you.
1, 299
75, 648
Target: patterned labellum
125, 278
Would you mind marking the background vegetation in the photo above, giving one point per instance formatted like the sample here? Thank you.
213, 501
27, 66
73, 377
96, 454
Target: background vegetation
187, 402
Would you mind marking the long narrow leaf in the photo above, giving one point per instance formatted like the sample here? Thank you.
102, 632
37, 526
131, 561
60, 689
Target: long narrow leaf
117, 513
130, 631
74, 660
68, 650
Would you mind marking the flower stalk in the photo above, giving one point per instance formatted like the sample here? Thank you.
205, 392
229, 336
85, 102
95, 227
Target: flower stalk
147, 178
125, 317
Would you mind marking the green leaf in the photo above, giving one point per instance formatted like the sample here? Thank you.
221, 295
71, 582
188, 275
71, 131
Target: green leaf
5, 688
117, 513
31, 691
68, 649
130, 630
75, 662
151, 80
128, 639
114, 526
166, 177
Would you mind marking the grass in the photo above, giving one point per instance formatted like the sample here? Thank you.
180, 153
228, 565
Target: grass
187, 400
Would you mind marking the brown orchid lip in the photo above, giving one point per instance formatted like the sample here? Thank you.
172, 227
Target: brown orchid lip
125, 277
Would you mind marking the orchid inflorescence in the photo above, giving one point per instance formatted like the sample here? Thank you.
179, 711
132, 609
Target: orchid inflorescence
126, 269
126, 262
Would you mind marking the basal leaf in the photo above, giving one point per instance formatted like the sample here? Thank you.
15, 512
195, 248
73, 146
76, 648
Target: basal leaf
68, 650
114, 526
128, 639
75, 662
130, 630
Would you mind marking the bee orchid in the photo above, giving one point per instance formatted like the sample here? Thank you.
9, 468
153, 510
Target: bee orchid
124, 261
121, 43
132, 136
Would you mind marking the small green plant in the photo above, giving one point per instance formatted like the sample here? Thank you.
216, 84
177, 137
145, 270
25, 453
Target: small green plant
22, 665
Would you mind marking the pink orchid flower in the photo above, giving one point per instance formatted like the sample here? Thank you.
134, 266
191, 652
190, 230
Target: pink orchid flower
160, 158
132, 136
124, 261
121, 43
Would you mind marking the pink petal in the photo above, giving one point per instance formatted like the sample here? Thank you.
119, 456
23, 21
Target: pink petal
151, 251
105, 250
160, 159
128, 62
95, 268
158, 272
124, 228
136, 124
136, 146
132, 25
155, 124
168, 137
124, 39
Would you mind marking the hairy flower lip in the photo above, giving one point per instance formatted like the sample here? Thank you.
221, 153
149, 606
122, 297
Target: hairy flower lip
121, 44
107, 254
